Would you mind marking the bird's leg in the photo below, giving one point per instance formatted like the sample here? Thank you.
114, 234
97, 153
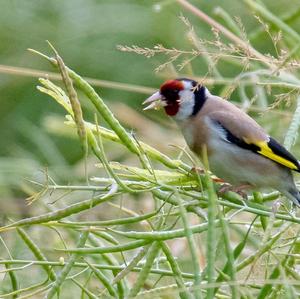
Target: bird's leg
224, 188
237, 189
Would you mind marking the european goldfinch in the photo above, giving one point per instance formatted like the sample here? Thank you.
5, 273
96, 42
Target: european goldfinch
239, 150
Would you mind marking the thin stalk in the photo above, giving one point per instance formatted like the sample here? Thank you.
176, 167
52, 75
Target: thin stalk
85, 290
67, 268
152, 253
245, 46
14, 281
98, 266
292, 132
104, 280
109, 249
62, 213
248, 260
211, 231
188, 233
36, 252
29, 72
184, 294
134, 261
112, 222
165, 234
231, 24
270, 17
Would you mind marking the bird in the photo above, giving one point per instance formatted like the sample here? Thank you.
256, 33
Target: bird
239, 151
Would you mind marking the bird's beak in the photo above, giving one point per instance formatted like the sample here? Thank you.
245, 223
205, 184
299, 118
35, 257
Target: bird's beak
154, 101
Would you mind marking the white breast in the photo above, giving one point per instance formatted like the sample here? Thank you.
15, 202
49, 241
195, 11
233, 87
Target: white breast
188, 133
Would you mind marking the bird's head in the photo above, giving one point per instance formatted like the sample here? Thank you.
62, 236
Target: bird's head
181, 98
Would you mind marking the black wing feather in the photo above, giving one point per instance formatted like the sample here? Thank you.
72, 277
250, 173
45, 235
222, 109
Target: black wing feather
237, 141
279, 150
275, 146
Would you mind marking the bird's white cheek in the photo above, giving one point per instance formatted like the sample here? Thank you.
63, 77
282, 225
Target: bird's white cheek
185, 111
186, 105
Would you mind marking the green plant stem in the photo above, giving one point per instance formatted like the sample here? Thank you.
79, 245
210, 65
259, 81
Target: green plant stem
188, 233
231, 24
67, 268
135, 260
270, 17
83, 265
164, 235
112, 222
230, 35
211, 231
103, 279
14, 281
34, 73
152, 253
248, 260
62, 213
85, 290
108, 249
36, 252
150, 151
184, 294
292, 132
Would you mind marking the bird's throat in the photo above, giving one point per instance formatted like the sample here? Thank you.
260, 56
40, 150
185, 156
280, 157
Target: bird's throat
172, 108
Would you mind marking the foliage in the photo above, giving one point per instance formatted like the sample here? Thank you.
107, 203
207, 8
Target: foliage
166, 232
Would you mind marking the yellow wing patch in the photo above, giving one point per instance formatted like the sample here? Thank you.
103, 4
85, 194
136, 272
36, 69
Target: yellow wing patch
266, 151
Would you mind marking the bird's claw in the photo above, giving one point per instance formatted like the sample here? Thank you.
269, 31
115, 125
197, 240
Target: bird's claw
237, 189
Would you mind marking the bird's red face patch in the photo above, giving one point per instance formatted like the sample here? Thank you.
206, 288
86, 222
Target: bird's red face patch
170, 92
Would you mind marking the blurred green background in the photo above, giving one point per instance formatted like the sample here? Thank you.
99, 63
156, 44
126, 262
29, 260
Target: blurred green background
34, 139
86, 33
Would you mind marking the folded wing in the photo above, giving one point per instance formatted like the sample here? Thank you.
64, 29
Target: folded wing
262, 145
